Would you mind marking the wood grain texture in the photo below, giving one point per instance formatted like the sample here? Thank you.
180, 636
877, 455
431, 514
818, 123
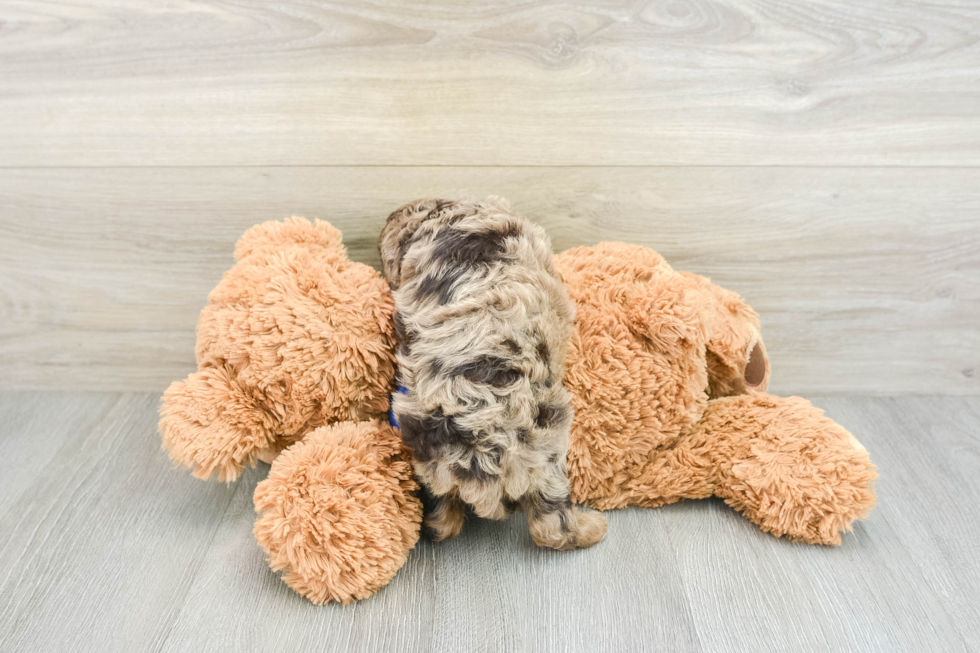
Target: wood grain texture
107, 548
930, 468
892, 585
702, 82
867, 280
100, 541
261, 614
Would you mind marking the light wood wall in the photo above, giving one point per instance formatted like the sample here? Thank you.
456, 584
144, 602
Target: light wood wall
821, 158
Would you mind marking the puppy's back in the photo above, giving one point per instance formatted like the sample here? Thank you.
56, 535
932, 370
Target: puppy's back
483, 323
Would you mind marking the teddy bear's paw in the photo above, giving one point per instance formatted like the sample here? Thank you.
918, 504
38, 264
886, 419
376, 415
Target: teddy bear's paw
337, 514
802, 476
212, 424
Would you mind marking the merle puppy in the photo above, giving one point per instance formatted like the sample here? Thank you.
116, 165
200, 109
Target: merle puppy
483, 322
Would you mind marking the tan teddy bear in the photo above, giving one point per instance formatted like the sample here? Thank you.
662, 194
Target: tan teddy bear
296, 347
667, 372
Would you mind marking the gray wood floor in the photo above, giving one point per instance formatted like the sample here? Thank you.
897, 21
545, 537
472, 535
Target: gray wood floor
104, 546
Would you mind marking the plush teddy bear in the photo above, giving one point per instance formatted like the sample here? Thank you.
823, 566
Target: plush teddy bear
667, 373
296, 349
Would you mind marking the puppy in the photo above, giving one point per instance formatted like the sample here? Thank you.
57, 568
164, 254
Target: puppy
482, 323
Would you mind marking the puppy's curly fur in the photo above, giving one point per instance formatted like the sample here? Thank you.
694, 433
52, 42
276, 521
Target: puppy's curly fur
483, 322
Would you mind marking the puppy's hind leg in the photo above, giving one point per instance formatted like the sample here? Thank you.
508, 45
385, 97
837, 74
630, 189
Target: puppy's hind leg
444, 516
554, 522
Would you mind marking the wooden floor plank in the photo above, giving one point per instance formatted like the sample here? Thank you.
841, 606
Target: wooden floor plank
750, 591
490, 589
35, 427
867, 280
106, 536
882, 590
622, 595
569, 82
108, 548
722, 585
928, 454
255, 611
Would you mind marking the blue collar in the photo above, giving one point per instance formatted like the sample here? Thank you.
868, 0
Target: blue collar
402, 390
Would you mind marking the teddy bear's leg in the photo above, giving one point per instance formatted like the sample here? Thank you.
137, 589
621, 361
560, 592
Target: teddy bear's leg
212, 424
787, 467
338, 514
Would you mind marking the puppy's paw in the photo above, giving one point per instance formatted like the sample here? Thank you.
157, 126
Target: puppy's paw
591, 528
444, 529
568, 530
445, 521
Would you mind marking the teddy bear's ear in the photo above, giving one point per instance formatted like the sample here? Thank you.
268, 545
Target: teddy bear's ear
669, 313
272, 236
737, 359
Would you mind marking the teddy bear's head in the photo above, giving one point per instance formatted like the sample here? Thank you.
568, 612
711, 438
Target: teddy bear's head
295, 336
651, 346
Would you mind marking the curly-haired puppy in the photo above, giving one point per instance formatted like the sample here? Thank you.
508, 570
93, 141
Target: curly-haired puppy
483, 322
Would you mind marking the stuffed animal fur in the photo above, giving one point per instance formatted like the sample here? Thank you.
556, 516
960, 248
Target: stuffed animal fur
296, 347
667, 374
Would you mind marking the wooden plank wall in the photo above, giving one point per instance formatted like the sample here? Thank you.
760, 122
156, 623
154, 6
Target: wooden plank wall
820, 157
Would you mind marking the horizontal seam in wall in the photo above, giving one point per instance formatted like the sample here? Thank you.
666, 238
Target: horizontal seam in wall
502, 166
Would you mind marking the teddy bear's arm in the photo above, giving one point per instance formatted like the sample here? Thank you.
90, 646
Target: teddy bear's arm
787, 467
211, 423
